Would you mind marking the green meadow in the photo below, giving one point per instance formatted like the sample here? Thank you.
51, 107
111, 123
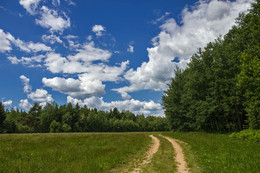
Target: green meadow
71, 152
215, 153
119, 152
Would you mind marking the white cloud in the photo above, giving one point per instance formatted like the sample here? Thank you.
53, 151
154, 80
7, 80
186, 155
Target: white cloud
56, 2
200, 25
27, 87
162, 18
6, 39
13, 59
58, 64
30, 5
89, 53
51, 38
89, 38
79, 62
37, 47
40, 95
24, 104
130, 49
33, 61
51, 20
8, 103
135, 106
79, 88
5, 44
70, 2
70, 36
104, 72
98, 30
89, 83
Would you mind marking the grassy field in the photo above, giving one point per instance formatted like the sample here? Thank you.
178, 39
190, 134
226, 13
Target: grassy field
120, 152
86, 152
216, 153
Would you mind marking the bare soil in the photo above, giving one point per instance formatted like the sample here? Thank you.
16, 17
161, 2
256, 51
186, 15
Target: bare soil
179, 157
149, 154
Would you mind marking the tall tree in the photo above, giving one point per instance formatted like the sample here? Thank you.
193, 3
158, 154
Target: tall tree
2, 116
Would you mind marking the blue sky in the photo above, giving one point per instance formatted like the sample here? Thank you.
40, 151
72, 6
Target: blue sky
103, 53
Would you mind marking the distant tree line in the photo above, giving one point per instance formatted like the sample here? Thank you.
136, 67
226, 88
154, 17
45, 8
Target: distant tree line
69, 118
219, 91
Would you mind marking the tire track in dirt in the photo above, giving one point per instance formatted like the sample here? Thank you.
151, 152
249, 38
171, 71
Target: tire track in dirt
181, 163
149, 154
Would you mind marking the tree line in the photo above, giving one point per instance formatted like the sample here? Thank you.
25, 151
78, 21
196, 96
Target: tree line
69, 118
219, 91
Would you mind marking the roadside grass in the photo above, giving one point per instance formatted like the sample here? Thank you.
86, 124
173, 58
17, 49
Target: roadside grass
163, 160
69, 152
218, 153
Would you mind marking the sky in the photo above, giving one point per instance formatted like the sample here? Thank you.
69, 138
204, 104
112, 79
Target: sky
103, 53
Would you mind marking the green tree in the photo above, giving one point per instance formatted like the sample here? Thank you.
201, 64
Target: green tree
249, 77
55, 127
2, 116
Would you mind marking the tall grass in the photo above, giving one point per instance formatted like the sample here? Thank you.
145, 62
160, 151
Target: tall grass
218, 153
85, 152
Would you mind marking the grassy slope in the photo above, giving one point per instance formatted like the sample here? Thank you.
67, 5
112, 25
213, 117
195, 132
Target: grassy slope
216, 153
68, 152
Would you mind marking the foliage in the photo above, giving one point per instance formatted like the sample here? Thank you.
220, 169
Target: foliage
2, 116
249, 77
251, 135
221, 84
207, 153
69, 118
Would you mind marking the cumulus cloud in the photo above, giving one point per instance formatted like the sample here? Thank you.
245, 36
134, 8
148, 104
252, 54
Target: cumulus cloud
79, 88
200, 24
51, 20
6, 39
13, 59
5, 44
89, 83
30, 5
40, 95
58, 64
130, 49
51, 39
24, 104
135, 106
8, 103
89, 53
98, 30
80, 62
27, 87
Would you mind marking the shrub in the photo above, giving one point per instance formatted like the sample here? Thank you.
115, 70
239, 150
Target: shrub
252, 135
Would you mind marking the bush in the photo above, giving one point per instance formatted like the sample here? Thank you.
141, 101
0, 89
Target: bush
252, 135
55, 127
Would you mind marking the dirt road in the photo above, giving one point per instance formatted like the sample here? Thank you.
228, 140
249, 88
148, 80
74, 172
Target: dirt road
182, 165
149, 154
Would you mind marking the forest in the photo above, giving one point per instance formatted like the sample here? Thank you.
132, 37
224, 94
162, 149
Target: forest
68, 118
219, 91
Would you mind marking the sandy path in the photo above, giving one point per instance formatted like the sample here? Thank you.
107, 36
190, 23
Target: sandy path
182, 165
149, 154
